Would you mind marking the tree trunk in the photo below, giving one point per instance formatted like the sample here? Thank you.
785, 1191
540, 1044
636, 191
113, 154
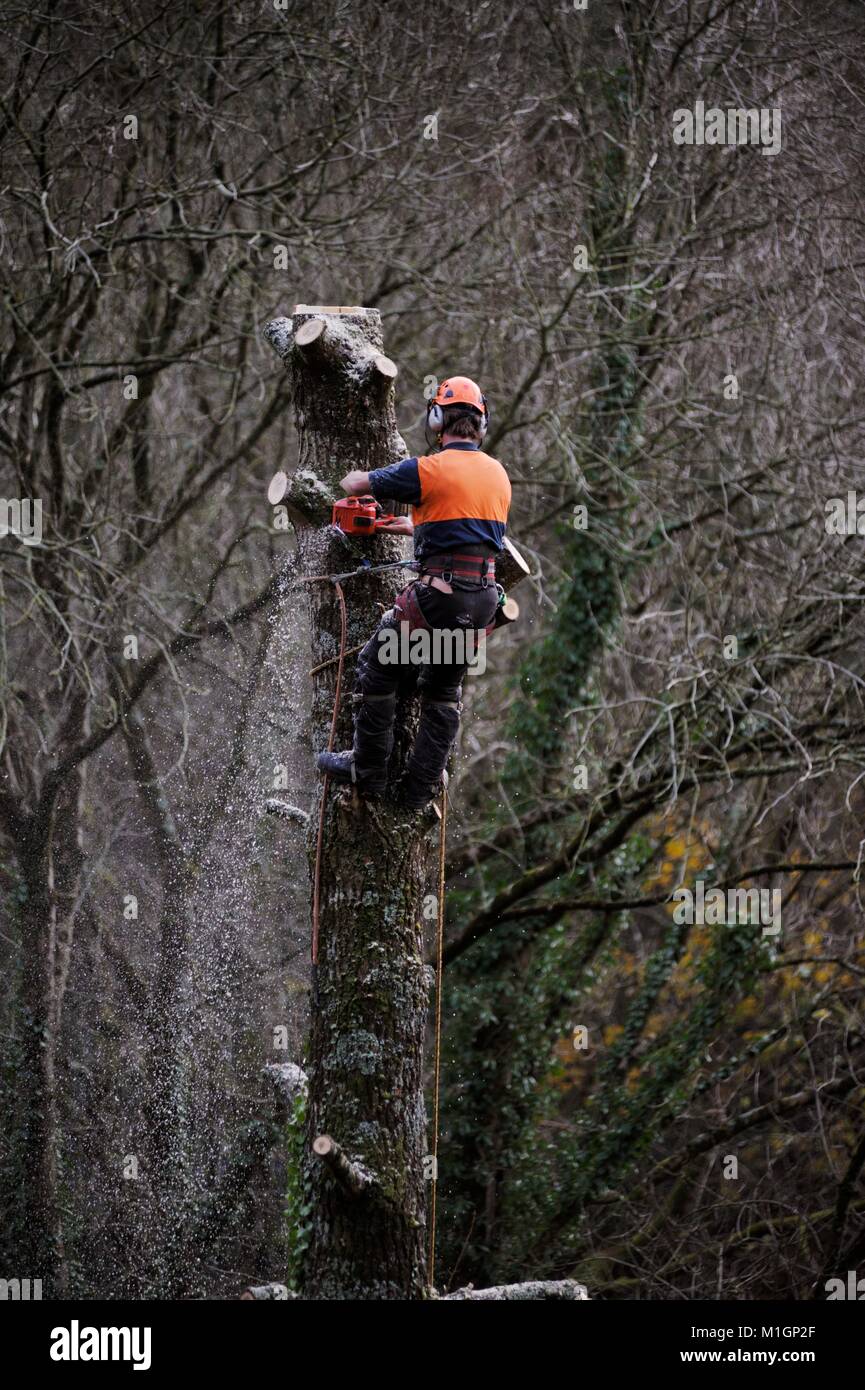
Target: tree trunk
39, 1242
366, 1184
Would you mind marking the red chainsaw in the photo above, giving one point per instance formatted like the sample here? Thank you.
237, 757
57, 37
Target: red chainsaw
360, 516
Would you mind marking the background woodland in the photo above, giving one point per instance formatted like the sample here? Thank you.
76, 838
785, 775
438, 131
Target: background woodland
173, 175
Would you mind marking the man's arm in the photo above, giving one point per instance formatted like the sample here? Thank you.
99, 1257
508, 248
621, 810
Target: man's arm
398, 482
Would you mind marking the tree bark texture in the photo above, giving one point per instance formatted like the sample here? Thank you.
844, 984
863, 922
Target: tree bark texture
366, 1054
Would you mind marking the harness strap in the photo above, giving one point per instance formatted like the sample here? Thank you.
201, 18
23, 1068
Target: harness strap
448, 567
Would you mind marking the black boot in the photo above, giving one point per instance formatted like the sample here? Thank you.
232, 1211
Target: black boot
339, 766
366, 763
439, 726
410, 796
342, 767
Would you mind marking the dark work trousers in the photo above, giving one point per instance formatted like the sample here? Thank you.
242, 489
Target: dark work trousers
438, 682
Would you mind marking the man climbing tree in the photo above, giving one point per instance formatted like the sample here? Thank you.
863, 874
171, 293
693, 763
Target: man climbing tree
460, 498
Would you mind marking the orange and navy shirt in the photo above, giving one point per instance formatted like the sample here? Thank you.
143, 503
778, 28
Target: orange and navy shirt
455, 500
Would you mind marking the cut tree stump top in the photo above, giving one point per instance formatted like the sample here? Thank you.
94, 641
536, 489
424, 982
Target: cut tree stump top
332, 309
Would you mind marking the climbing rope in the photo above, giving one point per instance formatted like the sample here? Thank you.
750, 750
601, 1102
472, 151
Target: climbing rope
440, 932
361, 569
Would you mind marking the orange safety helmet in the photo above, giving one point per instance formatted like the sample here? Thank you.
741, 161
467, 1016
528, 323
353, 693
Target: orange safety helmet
456, 390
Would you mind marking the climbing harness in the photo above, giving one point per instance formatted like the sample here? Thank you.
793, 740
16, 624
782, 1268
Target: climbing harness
454, 568
408, 609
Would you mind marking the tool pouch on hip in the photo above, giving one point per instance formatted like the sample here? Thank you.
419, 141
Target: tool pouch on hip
408, 610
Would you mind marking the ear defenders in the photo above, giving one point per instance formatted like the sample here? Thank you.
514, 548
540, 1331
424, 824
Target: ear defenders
435, 417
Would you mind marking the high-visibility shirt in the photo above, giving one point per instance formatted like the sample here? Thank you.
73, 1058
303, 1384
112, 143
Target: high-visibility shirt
459, 496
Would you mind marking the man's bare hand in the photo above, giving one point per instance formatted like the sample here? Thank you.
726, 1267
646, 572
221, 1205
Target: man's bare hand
399, 525
355, 483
